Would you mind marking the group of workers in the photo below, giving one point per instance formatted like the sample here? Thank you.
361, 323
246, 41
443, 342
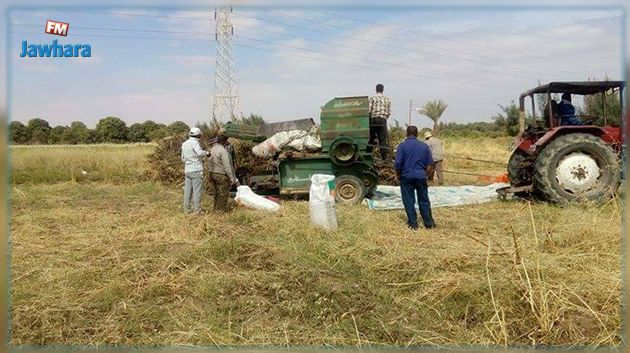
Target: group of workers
220, 168
416, 163
380, 107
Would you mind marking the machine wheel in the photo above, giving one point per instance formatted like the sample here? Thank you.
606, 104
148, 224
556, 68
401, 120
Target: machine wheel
520, 168
349, 189
370, 180
344, 151
576, 167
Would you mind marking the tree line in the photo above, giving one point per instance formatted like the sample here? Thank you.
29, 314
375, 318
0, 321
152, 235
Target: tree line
114, 130
108, 130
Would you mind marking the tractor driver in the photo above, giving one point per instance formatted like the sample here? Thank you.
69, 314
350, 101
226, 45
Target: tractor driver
566, 111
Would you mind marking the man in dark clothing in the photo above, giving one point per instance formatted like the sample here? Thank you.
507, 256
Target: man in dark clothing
222, 174
566, 110
413, 161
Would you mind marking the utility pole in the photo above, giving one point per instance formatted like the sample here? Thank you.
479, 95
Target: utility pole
410, 105
225, 99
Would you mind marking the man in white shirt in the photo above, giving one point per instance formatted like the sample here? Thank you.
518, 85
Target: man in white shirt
192, 156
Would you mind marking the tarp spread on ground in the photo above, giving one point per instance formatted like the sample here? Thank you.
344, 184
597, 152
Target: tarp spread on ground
387, 197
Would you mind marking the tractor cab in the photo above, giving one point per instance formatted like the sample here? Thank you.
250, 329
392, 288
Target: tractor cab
565, 155
607, 118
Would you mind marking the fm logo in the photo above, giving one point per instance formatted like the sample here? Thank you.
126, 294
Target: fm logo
57, 28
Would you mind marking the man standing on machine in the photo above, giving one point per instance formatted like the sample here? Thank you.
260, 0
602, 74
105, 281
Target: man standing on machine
380, 109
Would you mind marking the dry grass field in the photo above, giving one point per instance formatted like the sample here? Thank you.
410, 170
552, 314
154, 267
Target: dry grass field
112, 260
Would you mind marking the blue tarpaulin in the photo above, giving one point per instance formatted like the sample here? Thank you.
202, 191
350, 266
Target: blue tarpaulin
388, 197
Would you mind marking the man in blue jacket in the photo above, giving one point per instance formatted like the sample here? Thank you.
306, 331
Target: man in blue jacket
566, 110
413, 161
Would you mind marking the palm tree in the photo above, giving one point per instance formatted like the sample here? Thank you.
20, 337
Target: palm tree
433, 109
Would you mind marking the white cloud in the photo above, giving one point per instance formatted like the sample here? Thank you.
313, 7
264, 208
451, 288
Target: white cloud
190, 60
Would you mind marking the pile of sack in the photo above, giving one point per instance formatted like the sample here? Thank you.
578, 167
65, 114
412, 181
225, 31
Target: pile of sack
297, 140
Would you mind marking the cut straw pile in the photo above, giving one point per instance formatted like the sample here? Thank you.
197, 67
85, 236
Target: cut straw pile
165, 165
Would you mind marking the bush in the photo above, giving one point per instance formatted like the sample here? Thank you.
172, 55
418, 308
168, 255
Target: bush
18, 133
38, 131
111, 129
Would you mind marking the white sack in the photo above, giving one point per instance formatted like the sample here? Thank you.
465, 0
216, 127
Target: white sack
277, 142
246, 197
310, 143
321, 200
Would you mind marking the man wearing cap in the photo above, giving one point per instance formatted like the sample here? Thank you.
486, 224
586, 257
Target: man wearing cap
437, 151
192, 156
222, 174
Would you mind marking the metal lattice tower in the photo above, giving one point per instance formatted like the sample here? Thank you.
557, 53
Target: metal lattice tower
225, 100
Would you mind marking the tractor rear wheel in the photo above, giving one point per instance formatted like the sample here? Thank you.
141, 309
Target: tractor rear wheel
349, 189
576, 167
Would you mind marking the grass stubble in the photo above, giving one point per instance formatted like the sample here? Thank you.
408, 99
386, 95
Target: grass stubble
101, 263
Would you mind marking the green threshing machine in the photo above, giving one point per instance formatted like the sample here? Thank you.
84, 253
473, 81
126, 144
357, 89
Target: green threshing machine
345, 153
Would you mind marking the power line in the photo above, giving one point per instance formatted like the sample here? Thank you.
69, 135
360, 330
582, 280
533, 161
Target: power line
477, 84
121, 29
375, 61
122, 37
481, 46
267, 42
229, 54
113, 13
388, 37
384, 53
373, 42
231, 69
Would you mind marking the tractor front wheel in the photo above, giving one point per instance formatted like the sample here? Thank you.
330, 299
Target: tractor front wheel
349, 189
575, 168
520, 168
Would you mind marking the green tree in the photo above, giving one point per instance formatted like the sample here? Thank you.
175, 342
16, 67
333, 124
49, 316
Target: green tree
154, 131
38, 131
136, 133
541, 104
111, 129
594, 106
56, 135
18, 133
178, 127
253, 119
77, 133
396, 133
507, 119
158, 133
434, 109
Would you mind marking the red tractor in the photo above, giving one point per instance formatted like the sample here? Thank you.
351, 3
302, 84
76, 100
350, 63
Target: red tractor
568, 163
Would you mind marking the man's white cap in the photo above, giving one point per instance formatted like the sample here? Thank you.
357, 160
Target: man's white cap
195, 131
427, 134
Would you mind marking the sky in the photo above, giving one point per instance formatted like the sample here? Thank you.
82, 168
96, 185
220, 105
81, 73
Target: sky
155, 64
